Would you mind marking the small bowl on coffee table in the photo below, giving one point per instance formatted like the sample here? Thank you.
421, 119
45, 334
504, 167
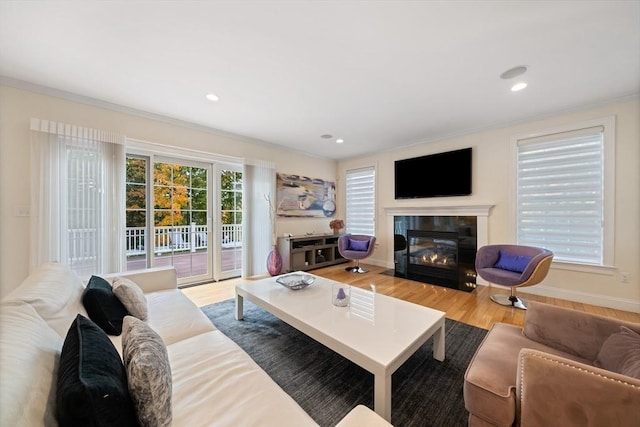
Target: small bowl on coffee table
295, 281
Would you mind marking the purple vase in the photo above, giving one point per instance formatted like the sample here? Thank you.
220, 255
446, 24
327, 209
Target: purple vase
274, 262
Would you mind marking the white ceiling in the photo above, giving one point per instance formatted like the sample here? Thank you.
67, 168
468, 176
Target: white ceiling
381, 74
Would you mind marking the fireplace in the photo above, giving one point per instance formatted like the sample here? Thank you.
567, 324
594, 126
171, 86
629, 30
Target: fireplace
469, 220
433, 255
440, 250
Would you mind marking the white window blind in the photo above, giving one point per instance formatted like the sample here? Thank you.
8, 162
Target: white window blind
77, 194
560, 195
361, 201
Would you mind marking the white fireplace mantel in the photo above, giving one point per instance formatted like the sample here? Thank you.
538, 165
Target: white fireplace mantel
440, 210
481, 211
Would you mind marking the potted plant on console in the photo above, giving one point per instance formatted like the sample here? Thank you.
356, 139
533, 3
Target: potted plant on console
336, 225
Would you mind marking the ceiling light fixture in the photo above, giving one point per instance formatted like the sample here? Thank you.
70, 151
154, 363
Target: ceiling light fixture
326, 136
339, 141
514, 72
212, 97
518, 86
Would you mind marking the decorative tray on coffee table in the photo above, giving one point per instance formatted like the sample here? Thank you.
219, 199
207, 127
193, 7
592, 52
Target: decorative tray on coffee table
295, 281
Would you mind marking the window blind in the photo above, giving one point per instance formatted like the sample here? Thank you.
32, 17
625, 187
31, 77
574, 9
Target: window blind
560, 195
77, 194
361, 201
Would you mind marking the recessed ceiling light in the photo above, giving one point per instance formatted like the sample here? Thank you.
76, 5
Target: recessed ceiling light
212, 97
518, 86
514, 72
326, 136
339, 141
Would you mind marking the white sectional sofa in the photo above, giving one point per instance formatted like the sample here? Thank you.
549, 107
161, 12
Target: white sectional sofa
214, 381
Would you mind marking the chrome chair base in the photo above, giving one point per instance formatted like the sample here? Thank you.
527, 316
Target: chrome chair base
356, 269
510, 300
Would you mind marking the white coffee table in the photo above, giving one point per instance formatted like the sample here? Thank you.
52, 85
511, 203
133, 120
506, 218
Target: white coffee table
377, 332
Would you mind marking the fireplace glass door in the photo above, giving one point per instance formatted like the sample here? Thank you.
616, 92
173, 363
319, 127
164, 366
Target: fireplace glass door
433, 252
439, 250
433, 257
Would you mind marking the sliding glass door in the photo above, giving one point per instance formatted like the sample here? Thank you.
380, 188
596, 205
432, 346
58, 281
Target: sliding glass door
169, 214
230, 222
181, 219
174, 218
137, 213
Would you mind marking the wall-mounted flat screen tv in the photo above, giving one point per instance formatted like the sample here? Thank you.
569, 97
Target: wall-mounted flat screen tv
435, 175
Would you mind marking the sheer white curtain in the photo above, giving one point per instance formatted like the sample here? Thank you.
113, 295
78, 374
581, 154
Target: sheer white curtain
77, 197
259, 181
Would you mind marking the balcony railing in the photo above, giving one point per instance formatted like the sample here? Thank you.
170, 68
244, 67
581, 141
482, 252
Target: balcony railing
181, 238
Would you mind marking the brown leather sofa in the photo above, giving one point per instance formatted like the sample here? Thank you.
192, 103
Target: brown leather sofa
545, 374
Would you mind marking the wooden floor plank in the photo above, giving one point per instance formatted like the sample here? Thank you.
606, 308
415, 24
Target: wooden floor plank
473, 308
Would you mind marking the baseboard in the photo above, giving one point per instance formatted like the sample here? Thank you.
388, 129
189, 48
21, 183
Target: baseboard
377, 262
582, 297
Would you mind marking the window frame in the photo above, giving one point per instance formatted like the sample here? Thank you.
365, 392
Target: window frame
608, 216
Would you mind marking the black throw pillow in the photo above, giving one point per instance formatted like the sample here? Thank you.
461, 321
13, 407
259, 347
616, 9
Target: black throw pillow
92, 388
103, 306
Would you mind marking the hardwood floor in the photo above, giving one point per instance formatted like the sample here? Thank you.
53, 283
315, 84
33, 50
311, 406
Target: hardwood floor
473, 308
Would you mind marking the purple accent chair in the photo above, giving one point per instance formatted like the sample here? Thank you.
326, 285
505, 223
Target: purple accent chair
362, 248
527, 274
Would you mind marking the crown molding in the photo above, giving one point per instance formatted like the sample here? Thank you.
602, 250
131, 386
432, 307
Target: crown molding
94, 102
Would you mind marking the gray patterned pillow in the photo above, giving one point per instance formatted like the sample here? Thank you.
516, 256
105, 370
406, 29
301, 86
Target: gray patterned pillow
131, 296
148, 372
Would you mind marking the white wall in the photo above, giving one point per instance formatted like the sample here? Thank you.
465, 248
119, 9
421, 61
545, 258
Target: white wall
492, 161
491, 185
18, 106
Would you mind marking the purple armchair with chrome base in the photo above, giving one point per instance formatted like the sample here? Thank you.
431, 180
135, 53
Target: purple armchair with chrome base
513, 266
356, 247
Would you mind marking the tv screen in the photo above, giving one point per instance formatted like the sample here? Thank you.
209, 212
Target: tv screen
436, 175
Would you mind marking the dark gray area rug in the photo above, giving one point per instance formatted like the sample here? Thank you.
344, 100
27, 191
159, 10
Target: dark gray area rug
327, 386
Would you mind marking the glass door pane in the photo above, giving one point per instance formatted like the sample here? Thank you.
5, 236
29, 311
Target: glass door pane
230, 224
180, 219
136, 213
